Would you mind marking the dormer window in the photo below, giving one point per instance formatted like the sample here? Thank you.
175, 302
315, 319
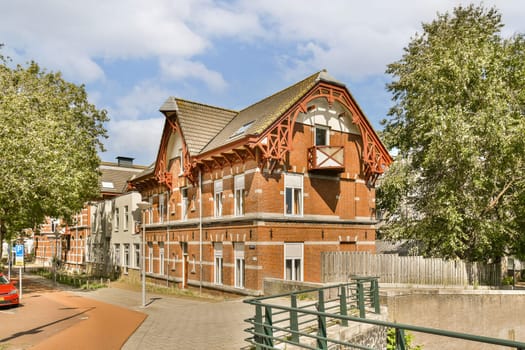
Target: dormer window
242, 129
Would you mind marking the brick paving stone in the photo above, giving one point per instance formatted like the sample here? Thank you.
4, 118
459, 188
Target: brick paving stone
182, 323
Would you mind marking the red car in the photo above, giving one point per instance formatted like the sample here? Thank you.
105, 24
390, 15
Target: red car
8, 292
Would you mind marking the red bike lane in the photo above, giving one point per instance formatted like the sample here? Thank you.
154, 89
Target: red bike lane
49, 318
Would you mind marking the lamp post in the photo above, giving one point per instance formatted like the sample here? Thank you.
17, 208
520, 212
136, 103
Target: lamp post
143, 206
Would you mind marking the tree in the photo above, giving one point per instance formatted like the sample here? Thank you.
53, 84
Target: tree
458, 185
49, 143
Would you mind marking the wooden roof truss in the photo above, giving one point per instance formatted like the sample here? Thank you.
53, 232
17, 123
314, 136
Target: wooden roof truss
276, 142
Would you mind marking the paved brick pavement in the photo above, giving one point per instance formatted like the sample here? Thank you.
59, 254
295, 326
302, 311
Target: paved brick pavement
51, 318
181, 323
171, 322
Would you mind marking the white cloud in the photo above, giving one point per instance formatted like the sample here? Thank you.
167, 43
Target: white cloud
137, 139
145, 98
356, 38
353, 39
182, 69
218, 20
70, 36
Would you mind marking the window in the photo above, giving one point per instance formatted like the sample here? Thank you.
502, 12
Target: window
117, 219
137, 255
126, 217
218, 262
322, 136
108, 184
293, 261
181, 162
150, 259
242, 129
293, 195
161, 262
126, 257
239, 194
117, 254
239, 264
184, 204
161, 208
217, 190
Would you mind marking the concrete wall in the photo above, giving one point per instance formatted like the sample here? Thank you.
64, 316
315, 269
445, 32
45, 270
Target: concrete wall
498, 314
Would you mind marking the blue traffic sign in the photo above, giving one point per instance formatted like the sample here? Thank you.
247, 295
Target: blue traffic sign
19, 255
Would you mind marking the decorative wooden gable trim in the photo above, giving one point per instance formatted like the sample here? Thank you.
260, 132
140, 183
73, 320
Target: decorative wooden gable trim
276, 142
220, 158
162, 173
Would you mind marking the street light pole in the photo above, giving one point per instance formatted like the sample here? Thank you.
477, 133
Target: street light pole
143, 206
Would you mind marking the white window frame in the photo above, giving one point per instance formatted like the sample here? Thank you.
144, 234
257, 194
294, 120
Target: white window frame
184, 204
240, 265
293, 188
136, 249
117, 219
126, 217
218, 263
150, 259
161, 208
117, 254
161, 261
181, 170
217, 197
238, 182
126, 257
293, 253
326, 131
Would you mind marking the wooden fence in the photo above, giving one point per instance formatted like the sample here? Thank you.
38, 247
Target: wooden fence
391, 268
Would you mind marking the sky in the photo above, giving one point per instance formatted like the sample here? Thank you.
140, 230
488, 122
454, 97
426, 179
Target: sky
131, 55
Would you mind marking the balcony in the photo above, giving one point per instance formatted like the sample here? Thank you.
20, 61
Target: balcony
326, 158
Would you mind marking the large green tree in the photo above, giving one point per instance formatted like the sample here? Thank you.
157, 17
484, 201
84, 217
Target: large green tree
458, 122
49, 143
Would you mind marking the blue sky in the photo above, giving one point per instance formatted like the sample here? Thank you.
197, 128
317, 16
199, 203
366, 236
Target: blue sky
132, 54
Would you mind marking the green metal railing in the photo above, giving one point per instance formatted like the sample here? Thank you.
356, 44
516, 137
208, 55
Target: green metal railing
303, 318
288, 317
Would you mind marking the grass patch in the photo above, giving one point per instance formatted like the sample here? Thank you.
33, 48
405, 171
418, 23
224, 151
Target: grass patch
76, 280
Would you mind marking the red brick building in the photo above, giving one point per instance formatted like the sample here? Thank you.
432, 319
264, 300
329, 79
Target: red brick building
239, 196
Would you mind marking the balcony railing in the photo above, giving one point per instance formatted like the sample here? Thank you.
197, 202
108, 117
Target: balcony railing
327, 158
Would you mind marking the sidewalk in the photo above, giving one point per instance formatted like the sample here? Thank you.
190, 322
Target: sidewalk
51, 317
181, 323
60, 317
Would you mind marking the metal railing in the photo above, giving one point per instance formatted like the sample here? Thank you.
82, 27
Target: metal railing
303, 319
309, 313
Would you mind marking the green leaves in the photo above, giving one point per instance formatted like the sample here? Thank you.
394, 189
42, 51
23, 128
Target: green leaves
49, 144
458, 121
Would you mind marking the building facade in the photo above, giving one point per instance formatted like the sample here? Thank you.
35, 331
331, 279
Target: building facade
239, 196
84, 243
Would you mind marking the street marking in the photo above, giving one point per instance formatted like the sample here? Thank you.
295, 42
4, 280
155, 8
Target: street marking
7, 312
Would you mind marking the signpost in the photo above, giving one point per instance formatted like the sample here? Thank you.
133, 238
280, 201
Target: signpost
19, 261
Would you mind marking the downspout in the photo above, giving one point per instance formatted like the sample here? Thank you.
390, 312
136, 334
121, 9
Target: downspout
200, 229
168, 238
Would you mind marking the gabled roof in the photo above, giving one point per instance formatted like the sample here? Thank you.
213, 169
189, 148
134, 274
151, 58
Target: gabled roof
113, 178
209, 133
206, 127
146, 172
259, 116
199, 122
